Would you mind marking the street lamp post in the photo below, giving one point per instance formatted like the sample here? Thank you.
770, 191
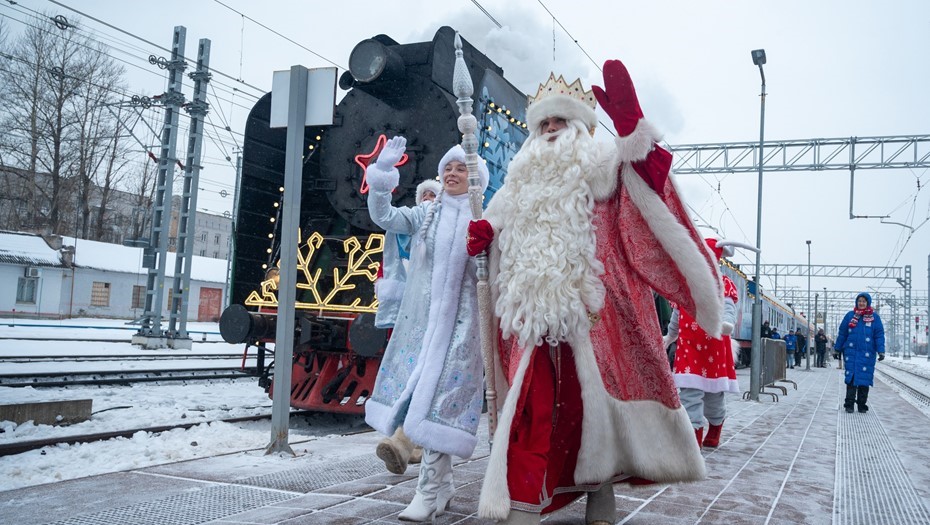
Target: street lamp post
755, 360
807, 365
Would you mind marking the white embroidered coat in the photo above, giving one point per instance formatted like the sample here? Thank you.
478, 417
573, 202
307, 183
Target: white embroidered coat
431, 377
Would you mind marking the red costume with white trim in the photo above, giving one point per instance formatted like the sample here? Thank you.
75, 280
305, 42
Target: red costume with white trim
582, 234
702, 361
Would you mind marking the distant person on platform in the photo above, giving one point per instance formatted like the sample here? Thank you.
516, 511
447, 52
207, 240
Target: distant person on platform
820, 344
801, 351
861, 338
766, 330
791, 346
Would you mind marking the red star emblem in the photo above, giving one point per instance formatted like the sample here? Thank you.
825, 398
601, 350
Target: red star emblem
365, 159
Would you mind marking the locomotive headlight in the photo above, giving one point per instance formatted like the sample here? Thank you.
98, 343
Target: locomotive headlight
371, 60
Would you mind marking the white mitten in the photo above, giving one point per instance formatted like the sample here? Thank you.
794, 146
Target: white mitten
726, 328
667, 341
392, 153
382, 176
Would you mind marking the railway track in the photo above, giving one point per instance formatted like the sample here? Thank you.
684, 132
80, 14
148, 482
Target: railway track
9, 449
903, 379
123, 377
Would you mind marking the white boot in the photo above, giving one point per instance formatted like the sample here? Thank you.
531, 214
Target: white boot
434, 488
601, 508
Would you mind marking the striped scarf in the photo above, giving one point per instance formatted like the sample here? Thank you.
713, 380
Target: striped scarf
864, 313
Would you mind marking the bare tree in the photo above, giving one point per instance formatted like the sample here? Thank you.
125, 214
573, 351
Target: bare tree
61, 136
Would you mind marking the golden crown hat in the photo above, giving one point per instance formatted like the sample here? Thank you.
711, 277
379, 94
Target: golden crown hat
557, 98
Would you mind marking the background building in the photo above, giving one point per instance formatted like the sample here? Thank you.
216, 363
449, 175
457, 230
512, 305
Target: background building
56, 277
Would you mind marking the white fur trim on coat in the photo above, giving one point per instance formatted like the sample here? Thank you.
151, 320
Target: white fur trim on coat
675, 240
389, 289
638, 144
562, 106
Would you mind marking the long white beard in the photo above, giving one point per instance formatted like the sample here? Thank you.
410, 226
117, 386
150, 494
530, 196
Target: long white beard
549, 276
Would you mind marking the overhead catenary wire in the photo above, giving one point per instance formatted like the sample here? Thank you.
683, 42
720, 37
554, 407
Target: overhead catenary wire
263, 26
133, 35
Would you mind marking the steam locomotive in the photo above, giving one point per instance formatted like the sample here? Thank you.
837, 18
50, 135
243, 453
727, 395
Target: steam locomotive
391, 89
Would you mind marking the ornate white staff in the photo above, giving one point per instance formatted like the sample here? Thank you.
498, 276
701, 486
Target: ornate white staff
462, 87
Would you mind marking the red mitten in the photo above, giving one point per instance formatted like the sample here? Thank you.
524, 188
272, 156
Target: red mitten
618, 97
654, 168
480, 235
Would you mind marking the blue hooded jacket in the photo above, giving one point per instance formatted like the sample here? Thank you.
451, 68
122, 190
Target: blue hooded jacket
860, 346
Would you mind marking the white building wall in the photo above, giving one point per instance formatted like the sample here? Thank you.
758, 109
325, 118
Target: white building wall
121, 288
48, 292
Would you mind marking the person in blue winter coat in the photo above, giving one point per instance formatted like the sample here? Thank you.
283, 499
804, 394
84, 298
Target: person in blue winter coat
861, 339
791, 346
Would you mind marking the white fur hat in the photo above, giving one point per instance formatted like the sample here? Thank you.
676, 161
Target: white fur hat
561, 106
457, 153
427, 185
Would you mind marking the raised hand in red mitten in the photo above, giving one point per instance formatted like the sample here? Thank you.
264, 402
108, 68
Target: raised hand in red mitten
618, 97
480, 235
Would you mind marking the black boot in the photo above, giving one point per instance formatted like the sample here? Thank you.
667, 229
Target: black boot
862, 397
850, 398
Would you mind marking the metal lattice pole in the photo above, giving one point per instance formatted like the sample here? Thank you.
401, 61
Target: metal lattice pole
161, 216
187, 214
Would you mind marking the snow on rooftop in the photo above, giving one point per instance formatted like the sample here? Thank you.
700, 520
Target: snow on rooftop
27, 248
127, 259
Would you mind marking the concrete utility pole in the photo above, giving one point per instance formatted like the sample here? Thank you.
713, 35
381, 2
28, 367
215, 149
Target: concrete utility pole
150, 333
187, 215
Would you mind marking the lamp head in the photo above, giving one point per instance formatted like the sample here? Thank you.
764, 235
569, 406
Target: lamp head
758, 56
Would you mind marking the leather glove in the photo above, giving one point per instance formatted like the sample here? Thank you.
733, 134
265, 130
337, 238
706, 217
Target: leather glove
480, 235
836, 355
391, 154
881, 356
618, 97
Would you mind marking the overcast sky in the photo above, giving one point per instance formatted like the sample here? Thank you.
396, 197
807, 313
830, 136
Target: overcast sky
835, 69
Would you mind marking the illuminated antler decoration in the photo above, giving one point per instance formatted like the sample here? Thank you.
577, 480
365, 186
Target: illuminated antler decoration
463, 88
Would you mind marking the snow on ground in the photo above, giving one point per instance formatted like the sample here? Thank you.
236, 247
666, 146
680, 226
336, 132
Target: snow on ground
145, 405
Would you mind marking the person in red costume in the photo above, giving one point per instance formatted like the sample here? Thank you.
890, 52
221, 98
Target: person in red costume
704, 368
578, 237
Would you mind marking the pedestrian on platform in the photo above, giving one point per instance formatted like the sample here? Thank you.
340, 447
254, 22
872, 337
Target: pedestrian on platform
791, 346
766, 329
802, 348
820, 344
861, 339
397, 451
431, 377
704, 369
579, 236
